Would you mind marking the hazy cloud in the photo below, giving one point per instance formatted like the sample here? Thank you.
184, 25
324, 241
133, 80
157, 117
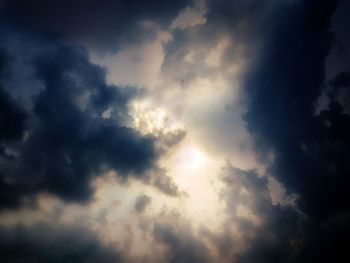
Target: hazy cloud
141, 203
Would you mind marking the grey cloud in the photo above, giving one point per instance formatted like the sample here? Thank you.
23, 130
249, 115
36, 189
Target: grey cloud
44, 243
272, 238
102, 25
12, 116
59, 142
310, 149
141, 203
165, 184
182, 245
243, 22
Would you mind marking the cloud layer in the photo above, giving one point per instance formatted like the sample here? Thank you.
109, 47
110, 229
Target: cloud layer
234, 149
61, 139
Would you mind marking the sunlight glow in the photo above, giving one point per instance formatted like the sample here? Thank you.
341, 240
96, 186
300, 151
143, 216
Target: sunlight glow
189, 159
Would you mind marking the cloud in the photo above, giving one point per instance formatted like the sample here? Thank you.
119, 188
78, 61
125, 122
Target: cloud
45, 243
181, 244
239, 24
141, 203
339, 92
165, 184
61, 139
62, 125
189, 17
99, 25
205, 63
159, 178
309, 148
266, 231
339, 57
12, 117
282, 91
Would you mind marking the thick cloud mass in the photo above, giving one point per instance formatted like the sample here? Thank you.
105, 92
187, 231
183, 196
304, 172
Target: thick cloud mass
267, 231
62, 141
62, 125
310, 150
181, 245
100, 24
44, 243
11, 116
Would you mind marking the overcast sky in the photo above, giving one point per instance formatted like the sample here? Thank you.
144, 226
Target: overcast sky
174, 131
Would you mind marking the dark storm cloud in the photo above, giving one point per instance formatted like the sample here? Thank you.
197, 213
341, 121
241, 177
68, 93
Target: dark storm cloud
339, 58
291, 41
242, 18
243, 21
339, 92
11, 126
141, 203
182, 246
60, 140
53, 137
311, 150
101, 24
270, 240
44, 243
12, 116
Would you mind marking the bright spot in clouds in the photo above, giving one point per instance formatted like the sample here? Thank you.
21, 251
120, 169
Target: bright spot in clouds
189, 159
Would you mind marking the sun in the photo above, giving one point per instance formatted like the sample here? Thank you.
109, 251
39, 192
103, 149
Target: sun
189, 158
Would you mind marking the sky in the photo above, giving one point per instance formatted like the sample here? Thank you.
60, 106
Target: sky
186, 131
